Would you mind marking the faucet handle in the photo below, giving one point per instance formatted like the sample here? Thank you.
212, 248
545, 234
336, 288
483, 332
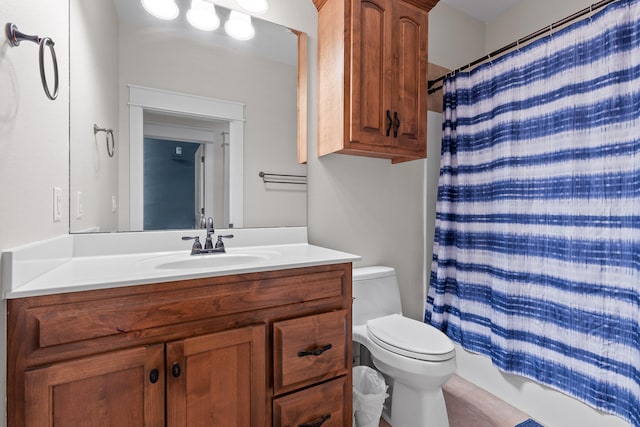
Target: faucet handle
220, 243
197, 246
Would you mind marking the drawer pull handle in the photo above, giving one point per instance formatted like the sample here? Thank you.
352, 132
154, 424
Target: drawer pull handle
317, 423
317, 352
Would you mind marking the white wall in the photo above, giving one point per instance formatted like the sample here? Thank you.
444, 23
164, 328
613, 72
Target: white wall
33, 130
527, 17
455, 39
94, 71
374, 209
446, 47
33, 136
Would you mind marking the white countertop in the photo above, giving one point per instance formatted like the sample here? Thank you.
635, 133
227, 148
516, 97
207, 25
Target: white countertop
28, 271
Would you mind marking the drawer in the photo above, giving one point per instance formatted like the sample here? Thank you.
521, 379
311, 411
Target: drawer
311, 349
179, 302
311, 406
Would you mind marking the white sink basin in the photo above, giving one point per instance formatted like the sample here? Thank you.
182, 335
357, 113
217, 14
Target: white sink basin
216, 261
211, 261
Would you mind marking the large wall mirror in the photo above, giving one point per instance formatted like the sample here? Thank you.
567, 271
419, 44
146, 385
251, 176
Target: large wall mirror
171, 124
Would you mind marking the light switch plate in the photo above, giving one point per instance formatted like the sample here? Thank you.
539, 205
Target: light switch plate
114, 204
57, 204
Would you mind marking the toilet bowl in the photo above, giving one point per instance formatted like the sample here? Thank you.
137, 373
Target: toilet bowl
417, 357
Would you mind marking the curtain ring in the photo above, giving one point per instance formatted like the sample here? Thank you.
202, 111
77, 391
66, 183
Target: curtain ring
46, 41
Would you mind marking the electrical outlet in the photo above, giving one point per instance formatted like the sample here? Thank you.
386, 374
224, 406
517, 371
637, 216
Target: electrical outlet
57, 204
114, 204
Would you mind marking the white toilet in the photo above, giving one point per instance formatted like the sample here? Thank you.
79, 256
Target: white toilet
417, 357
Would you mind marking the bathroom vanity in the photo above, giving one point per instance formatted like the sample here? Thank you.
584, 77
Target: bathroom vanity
244, 345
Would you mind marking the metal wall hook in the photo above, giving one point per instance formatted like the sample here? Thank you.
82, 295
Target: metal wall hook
111, 147
15, 37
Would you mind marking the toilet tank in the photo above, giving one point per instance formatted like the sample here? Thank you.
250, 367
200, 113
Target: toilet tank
375, 293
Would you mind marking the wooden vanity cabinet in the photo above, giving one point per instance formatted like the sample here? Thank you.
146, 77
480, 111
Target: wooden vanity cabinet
205, 352
372, 77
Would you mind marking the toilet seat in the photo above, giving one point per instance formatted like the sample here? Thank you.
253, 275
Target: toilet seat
410, 338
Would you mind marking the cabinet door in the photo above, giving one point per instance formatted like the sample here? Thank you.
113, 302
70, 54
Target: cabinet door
371, 60
119, 389
409, 91
217, 379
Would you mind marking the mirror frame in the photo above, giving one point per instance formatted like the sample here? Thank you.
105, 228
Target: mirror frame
124, 217
143, 98
302, 96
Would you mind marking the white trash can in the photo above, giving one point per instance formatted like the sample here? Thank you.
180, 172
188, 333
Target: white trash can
369, 394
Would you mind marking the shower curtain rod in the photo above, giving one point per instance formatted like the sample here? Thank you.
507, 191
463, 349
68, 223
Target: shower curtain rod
517, 43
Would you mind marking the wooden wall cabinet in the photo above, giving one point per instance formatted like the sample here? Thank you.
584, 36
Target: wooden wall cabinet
251, 350
372, 77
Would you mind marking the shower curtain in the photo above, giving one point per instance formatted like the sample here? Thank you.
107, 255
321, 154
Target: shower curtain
537, 244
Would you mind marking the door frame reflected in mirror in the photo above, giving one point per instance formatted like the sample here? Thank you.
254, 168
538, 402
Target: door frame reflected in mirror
150, 99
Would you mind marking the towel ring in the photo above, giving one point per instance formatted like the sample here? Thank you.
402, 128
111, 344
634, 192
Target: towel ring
15, 37
111, 144
46, 41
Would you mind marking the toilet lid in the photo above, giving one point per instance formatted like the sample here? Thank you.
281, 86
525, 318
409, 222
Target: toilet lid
410, 338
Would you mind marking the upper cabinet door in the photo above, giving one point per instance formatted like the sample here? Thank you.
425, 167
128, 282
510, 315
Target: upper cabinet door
370, 77
217, 380
122, 388
410, 76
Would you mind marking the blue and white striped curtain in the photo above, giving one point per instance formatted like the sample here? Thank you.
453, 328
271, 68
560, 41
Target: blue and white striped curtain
537, 245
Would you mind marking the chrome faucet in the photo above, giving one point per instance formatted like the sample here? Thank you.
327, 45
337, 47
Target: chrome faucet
208, 244
209, 248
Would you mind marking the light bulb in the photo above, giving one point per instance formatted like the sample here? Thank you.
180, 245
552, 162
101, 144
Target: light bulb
202, 15
239, 26
162, 9
254, 6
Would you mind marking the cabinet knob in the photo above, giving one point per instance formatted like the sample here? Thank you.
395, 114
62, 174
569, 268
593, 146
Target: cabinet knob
176, 370
154, 376
317, 352
389, 122
316, 423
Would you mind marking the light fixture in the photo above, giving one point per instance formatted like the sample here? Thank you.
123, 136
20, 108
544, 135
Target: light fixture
202, 15
254, 6
163, 9
239, 26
